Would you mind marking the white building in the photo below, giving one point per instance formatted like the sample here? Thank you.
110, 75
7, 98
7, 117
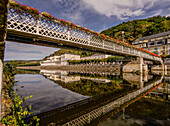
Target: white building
156, 43
59, 60
96, 56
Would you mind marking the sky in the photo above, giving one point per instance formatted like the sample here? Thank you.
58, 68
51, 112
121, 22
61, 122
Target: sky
96, 15
19, 51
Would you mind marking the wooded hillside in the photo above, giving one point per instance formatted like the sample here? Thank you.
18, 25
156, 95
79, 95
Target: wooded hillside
139, 28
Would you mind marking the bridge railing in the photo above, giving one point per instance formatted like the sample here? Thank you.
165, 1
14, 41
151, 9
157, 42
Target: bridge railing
23, 22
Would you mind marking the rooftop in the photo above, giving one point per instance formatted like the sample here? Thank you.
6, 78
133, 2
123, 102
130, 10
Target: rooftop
153, 36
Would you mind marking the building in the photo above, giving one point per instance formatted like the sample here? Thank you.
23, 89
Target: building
59, 59
96, 56
156, 43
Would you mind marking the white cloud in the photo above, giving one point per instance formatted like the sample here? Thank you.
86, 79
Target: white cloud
74, 10
75, 17
120, 8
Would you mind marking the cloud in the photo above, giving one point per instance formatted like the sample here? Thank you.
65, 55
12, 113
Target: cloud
93, 14
121, 9
72, 10
18, 51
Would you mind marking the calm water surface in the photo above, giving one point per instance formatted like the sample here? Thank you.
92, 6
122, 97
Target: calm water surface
46, 94
86, 98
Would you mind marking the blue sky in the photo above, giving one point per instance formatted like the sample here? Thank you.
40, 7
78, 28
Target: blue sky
96, 15
19, 51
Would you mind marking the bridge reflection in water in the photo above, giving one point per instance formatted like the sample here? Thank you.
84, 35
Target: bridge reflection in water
100, 107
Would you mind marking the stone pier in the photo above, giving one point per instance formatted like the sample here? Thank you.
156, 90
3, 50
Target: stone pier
136, 66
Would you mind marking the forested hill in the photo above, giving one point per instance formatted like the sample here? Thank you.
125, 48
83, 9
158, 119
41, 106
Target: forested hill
62, 51
139, 28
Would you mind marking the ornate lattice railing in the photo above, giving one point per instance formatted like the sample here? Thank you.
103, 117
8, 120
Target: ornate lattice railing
23, 22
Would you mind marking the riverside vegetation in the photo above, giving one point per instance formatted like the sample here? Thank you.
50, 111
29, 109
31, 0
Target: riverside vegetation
19, 111
108, 60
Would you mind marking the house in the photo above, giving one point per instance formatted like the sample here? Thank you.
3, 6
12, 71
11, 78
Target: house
59, 59
156, 43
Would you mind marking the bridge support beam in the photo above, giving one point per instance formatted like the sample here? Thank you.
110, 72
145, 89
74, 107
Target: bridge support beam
137, 66
3, 29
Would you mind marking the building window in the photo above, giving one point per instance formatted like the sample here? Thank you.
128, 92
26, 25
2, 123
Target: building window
166, 41
159, 43
156, 49
152, 43
163, 47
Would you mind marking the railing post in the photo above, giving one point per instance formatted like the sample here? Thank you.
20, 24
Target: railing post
129, 50
88, 39
103, 43
68, 33
139, 53
38, 24
113, 46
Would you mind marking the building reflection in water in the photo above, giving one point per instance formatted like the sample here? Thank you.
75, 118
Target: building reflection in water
63, 76
59, 75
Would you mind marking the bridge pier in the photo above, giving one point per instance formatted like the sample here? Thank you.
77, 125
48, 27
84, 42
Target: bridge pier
3, 29
159, 69
137, 66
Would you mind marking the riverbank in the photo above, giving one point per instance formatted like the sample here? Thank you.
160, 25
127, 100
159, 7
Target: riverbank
29, 67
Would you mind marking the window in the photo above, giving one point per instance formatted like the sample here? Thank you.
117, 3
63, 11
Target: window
163, 53
159, 43
152, 43
156, 49
163, 47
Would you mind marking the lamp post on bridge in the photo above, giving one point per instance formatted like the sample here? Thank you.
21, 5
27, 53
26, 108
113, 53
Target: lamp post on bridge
123, 36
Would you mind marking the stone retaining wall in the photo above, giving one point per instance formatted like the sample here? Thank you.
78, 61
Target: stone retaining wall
90, 68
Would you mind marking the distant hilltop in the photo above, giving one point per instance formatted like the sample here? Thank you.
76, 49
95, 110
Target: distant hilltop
78, 52
139, 28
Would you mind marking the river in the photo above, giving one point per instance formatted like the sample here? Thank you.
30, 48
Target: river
69, 98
